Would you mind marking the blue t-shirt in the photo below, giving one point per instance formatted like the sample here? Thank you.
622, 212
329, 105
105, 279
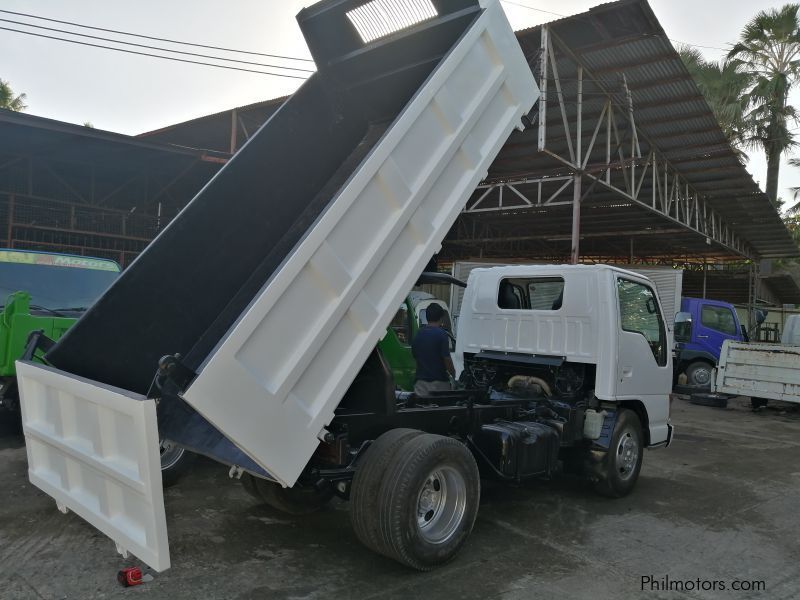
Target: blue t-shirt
430, 347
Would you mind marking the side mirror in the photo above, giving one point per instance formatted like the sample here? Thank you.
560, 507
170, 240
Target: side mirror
651, 306
760, 315
683, 327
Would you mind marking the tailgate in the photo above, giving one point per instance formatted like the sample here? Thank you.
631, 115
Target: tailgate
94, 449
770, 371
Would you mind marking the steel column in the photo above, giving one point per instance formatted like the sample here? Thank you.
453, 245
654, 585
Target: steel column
576, 220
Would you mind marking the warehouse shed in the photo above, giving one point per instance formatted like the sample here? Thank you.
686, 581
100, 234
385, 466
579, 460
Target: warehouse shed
75, 189
622, 157
621, 161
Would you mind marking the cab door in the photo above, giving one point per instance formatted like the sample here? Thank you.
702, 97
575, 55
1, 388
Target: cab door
715, 323
643, 365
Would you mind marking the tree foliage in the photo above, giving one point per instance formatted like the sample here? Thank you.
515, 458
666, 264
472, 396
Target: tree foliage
724, 88
768, 53
8, 100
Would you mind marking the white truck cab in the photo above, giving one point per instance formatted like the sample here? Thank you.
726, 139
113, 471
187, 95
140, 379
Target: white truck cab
603, 321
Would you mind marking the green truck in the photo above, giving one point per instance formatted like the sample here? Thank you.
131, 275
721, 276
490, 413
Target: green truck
396, 344
49, 292
42, 291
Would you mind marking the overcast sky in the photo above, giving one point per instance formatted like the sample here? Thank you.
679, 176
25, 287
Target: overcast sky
132, 94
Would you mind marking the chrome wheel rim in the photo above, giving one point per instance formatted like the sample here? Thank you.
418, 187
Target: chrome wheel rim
702, 376
170, 454
441, 504
627, 455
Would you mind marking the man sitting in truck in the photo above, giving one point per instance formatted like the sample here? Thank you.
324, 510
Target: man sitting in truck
431, 350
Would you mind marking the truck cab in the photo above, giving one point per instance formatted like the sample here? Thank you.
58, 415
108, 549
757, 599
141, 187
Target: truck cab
701, 328
596, 334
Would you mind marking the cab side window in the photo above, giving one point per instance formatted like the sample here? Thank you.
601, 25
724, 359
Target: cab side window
402, 326
719, 319
531, 293
639, 313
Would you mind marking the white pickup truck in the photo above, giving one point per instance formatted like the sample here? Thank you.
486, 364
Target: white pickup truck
258, 350
763, 372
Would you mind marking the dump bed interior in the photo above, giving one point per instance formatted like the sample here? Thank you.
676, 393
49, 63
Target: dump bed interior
189, 287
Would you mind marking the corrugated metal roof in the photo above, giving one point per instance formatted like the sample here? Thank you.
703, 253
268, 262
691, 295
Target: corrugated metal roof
21, 131
625, 38
214, 131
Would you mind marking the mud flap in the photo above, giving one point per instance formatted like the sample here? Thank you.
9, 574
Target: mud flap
94, 449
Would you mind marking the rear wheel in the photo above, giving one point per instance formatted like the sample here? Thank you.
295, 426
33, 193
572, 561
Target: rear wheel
623, 462
699, 374
757, 403
427, 502
175, 462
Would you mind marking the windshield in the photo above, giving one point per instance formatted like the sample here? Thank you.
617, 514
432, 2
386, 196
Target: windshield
55, 281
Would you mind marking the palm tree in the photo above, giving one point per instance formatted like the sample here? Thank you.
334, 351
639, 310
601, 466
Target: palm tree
769, 53
8, 100
724, 88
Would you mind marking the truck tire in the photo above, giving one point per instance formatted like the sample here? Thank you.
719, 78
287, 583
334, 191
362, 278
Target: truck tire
757, 403
249, 485
712, 400
428, 501
297, 500
175, 462
698, 374
370, 469
622, 463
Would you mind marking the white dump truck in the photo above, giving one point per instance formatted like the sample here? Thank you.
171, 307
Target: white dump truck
247, 330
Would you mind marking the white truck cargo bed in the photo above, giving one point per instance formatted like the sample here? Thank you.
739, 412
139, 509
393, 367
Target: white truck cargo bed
359, 261
768, 371
274, 378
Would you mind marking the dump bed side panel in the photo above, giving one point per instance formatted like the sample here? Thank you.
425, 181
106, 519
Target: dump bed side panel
286, 364
769, 371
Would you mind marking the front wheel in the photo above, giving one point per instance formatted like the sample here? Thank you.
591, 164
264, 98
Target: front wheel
623, 462
175, 462
699, 374
426, 504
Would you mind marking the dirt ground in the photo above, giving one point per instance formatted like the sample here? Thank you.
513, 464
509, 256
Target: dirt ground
717, 508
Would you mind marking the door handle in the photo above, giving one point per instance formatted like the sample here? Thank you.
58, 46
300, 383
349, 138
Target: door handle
702, 337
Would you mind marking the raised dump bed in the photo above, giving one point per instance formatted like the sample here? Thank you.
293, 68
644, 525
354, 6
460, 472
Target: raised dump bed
272, 287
